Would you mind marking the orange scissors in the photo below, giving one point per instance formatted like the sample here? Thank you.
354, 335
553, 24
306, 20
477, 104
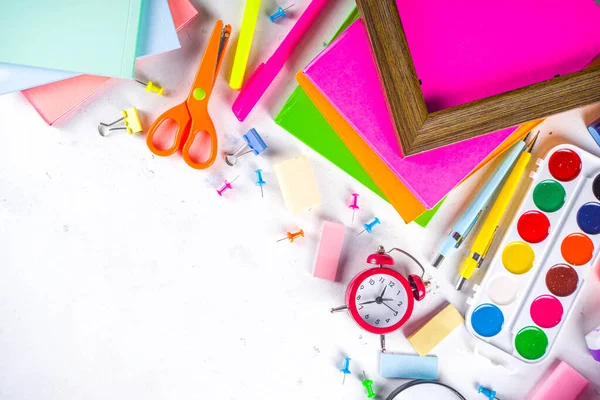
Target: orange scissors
191, 116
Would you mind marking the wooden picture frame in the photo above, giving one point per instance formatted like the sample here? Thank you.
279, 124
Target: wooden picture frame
418, 130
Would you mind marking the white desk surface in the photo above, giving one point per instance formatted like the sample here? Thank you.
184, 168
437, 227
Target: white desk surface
125, 276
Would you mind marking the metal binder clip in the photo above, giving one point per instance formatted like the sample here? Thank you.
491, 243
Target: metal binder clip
254, 144
131, 123
151, 87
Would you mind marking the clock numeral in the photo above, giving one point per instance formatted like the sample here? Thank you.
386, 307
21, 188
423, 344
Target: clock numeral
399, 291
395, 313
367, 316
371, 282
377, 322
358, 297
400, 304
387, 320
382, 279
362, 287
392, 284
361, 307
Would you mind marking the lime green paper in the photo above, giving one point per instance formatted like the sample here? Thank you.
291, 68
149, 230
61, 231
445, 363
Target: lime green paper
302, 118
91, 37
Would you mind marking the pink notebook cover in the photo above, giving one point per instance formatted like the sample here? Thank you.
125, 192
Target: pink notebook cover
55, 100
462, 52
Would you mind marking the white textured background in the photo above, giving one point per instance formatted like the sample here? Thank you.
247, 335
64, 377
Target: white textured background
125, 276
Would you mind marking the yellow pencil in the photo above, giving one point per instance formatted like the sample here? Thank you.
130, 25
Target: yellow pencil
242, 50
486, 235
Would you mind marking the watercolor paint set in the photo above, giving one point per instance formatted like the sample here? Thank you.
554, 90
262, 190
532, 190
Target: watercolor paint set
535, 277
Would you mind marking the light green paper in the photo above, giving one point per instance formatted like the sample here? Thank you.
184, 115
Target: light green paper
300, 117
91, 37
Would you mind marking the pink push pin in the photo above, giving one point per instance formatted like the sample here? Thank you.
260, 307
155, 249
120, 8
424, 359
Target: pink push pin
226, 186
354, 206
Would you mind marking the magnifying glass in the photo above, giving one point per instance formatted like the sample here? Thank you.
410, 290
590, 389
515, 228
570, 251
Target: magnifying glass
423, 389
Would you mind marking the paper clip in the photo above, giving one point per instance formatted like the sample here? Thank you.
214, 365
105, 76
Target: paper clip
152, 87
254, 144
131, 123
280, 13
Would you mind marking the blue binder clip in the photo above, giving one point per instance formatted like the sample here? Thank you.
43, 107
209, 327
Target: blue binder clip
254, 144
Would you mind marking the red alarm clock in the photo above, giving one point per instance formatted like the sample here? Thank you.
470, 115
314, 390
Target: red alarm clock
380, 299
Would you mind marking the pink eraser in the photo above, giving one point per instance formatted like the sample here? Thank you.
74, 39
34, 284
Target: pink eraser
562, 383
330, 249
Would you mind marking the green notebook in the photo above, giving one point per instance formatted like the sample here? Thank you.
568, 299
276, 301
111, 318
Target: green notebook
90, 37
300, 117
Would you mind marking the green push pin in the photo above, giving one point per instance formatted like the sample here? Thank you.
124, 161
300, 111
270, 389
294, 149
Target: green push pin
199, 94
368, 384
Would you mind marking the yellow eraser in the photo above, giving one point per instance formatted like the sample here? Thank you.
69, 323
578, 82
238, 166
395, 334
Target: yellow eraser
435, 330
297, 184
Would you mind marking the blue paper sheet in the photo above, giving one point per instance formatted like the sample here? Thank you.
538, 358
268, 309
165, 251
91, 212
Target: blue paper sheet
157, 35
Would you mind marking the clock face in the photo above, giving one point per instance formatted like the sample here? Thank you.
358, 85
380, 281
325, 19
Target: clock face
379, 300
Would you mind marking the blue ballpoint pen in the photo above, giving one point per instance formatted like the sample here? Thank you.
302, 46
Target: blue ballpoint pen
468, 220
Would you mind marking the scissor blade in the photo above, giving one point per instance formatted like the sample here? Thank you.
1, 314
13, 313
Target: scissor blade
220, 53
211, 61
225, 34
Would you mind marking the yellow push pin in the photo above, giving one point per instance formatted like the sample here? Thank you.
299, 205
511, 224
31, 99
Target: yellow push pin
151, 87
131, 123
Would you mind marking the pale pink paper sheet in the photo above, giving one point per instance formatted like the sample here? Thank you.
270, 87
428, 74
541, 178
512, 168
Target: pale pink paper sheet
462, 51
55, 100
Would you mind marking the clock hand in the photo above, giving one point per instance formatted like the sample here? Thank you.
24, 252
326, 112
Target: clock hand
383, 293
373, 301
385, 304
367, 302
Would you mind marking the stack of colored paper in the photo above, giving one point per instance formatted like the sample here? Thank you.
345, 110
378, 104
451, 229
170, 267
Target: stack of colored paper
344, 85
58, 42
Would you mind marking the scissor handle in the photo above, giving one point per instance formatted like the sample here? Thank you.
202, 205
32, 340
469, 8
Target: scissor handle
208, 127
180, 116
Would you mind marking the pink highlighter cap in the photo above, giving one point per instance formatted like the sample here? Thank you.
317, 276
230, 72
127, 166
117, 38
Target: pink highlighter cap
263, 76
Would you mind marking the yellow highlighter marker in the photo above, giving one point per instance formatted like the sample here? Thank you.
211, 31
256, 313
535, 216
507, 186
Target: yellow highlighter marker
244, 43
486, 235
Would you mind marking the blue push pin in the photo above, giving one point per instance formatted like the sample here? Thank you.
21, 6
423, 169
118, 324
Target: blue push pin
254, 144
369, 226
259, 181
346, 369
280, 13
491, 394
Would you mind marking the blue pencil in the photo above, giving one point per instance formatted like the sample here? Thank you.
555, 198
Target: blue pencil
466, 222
